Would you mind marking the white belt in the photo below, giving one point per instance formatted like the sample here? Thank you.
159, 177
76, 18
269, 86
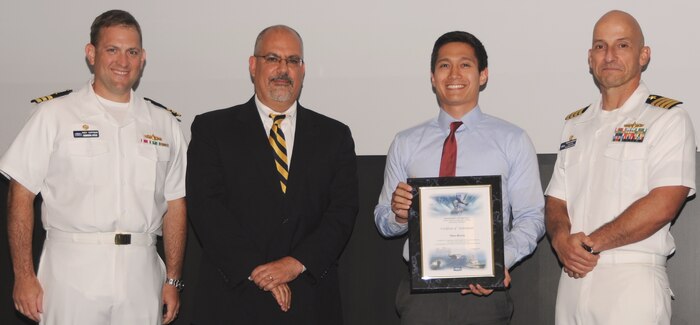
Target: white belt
113, 238
631, 258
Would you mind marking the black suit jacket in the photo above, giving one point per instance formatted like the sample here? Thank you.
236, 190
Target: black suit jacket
242, 219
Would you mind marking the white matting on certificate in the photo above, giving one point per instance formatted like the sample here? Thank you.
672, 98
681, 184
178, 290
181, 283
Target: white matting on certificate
456, 233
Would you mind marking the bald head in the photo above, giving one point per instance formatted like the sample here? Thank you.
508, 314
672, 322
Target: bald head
619, 22
618, 55
277, 67
276, 29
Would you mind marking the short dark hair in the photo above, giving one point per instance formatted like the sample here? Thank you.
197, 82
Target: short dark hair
113, 18
461, 37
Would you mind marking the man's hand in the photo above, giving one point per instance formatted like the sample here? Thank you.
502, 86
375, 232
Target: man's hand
283, 295
171, 301
29, 296
401, 202
271, 275
27, 293
478, 290
576, 260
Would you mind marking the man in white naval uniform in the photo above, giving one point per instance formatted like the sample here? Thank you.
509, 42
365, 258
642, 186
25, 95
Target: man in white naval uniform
110, 168
625, 166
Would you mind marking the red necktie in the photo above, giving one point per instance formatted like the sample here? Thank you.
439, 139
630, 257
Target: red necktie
448, 163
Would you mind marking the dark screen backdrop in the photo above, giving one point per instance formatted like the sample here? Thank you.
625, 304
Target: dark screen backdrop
371, 266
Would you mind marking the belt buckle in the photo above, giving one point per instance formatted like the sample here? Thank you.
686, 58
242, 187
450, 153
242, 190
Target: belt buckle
122, 239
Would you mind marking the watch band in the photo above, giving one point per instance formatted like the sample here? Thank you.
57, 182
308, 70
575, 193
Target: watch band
177, 283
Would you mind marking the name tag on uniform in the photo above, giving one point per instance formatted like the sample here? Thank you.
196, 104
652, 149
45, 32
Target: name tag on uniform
86, 134
568, 144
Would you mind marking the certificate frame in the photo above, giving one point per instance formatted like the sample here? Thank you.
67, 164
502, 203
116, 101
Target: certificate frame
456, 233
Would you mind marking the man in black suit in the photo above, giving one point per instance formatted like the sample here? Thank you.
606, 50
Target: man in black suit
271, 227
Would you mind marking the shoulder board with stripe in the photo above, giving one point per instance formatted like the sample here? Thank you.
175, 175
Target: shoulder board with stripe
661, 101
50, 97
576, 113
176, 114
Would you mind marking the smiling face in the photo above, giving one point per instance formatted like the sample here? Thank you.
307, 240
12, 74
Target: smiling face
456, 78
117, 60
277, 84
618, 54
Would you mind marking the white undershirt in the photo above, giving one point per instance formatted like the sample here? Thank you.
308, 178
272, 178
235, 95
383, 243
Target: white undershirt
117, 110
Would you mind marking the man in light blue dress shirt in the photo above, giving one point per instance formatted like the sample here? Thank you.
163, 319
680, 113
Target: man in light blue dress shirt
486, 145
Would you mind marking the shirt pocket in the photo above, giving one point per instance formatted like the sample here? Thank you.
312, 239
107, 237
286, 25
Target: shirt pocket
152, 165
87, 161
629, 161
89, 148
571, 157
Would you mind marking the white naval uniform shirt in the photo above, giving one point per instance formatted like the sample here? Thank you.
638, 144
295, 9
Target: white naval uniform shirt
599, 176
95, 175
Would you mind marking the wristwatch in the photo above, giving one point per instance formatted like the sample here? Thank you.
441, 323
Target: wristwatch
178, 284
589, 249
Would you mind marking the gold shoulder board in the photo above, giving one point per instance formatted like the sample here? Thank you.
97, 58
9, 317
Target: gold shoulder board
176, 114
50, 97
576, 113
661, 101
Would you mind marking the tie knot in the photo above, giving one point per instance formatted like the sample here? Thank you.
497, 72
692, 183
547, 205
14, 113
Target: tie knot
277, 118
454, 126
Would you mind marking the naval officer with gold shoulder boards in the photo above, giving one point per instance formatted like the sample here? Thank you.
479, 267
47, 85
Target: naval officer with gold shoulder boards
110, 167
625, 167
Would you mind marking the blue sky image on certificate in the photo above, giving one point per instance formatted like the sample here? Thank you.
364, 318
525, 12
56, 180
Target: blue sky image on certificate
458, 204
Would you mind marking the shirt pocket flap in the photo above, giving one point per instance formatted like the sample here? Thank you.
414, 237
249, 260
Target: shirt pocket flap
89, 148
627, 151
154, 153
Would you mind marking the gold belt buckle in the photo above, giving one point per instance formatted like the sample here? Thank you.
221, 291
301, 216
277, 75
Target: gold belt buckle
122, 239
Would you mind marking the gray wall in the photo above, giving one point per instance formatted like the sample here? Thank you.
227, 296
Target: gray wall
371, 266
364, 58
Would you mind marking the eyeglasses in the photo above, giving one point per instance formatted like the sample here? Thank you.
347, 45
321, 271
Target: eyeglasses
274, 59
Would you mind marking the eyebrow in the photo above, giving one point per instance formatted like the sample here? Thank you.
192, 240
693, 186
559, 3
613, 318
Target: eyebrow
616, 40
463, 58
277, 55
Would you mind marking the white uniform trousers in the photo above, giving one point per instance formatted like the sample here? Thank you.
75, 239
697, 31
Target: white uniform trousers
624, 288
88, 279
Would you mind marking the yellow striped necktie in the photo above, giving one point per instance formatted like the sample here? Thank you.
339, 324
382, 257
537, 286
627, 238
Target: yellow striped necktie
279, 146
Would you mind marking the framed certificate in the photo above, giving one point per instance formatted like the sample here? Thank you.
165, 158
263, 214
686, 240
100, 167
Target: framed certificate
456, 233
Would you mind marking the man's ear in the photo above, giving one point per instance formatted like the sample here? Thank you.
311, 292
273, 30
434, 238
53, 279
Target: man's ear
143, 57
251, 66
645, 56
90, 53
483, 76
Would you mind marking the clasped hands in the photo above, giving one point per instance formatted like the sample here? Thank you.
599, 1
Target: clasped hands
274, 277
576, 259
401, 202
